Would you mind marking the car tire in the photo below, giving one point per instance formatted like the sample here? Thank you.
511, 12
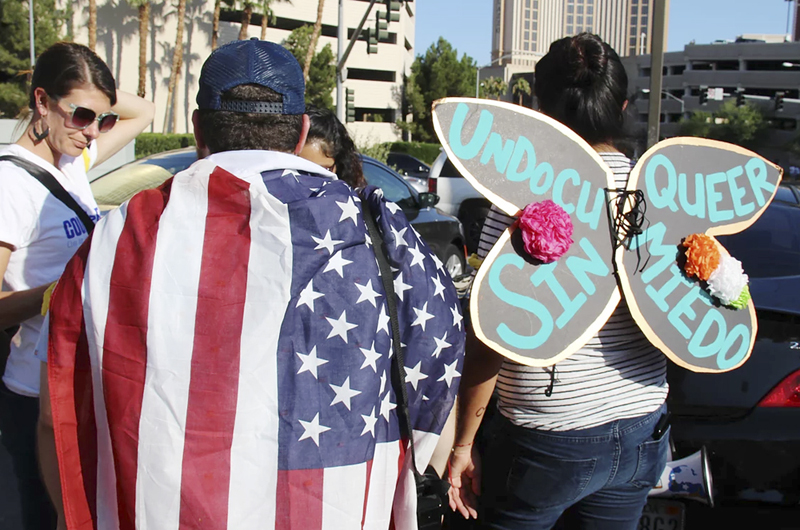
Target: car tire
454, 262
472, 220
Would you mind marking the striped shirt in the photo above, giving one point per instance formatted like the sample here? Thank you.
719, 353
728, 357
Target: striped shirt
616, 375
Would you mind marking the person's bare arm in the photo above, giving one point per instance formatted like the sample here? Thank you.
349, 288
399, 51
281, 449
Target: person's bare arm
46, 444
18, 306
135, 114
481, 367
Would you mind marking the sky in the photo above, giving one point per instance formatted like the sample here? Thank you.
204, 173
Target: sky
467, 24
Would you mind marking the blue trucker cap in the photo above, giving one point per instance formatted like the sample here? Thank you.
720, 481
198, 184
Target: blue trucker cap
252, 62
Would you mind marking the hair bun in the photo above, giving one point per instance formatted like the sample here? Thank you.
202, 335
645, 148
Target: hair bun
587, 58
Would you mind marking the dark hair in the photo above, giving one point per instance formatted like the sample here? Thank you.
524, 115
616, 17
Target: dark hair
582, 83
333, 136
224, 130
66, 65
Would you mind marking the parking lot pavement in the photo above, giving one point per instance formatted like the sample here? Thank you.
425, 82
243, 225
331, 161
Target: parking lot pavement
9, 501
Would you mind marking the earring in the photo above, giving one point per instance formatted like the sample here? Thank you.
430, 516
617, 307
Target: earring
40, 136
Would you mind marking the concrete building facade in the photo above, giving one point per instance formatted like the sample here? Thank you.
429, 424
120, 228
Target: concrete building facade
377, 79
522, 30
765, 74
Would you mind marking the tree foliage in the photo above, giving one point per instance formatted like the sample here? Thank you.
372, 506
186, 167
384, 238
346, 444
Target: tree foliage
743, 125
520, 87
15, 60
493, 88
322, 72
437, 74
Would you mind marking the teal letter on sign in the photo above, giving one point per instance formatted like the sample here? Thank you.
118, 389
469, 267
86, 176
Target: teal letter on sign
740, 331
524, 148
499, 151
696, 346
535, 308
661, 196
479, 136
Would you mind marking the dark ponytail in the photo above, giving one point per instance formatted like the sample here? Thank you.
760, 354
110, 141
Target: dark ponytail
582, 83
326, 127
66, 65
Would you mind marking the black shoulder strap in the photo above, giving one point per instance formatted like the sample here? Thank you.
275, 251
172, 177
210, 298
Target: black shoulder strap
50, 182
398, 365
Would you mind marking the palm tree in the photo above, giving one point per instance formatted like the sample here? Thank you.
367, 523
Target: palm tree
144, 25
92, 24
177, 62
521, 86
247, 13
314, 37
215, 25
494, 88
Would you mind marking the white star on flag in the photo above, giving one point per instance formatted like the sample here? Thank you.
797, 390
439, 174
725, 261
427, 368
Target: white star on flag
399, 237
450, 373
418, 257
400, 287
308, 295
292, 172
312, 429
370, 356
422, 316
440, 345
340, 326
457, 318
383, 320
387, 406
383, 382
337, 263
349, 210
415, 375
344, 394
310, 362
437, 261
437, 284
392, 207
326, 242
368, 294
369, 423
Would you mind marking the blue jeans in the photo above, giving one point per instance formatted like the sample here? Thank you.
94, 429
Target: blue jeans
530, 477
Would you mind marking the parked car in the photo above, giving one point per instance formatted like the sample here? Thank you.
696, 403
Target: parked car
411, 168
749, 419
458, 197
443, 233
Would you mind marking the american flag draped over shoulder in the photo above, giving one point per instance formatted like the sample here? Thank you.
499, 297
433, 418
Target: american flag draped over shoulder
219, 356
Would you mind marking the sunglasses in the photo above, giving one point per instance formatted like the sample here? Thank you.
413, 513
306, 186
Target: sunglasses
82, 118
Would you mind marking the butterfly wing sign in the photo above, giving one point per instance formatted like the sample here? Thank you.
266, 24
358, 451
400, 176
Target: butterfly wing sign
534, 313
690, 186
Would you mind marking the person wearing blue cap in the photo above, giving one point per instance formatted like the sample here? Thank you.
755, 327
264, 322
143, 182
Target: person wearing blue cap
223, 354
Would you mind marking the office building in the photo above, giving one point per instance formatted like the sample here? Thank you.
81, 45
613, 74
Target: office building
376, 78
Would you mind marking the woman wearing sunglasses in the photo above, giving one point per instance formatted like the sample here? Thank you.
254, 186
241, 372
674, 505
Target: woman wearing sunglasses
78, 119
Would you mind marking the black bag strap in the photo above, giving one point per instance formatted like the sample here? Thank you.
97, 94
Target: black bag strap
49, 181
398, 365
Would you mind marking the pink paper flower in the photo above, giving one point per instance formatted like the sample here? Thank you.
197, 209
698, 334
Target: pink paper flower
546, 230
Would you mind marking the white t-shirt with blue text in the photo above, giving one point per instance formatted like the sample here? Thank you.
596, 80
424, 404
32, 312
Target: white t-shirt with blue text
44, 234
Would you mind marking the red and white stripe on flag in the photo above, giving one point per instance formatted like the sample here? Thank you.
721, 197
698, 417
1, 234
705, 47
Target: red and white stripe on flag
163, 375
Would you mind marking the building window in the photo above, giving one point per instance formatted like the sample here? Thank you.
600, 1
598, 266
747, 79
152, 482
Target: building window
569, 30
634, 21
536, 4
527, 24
644, 21
579, 20
634, 32
644, 10
570, 20
634, 10
570, 8
527, 35
580, 9
589, 21
535, 26
526, 46
527, 3
589, 10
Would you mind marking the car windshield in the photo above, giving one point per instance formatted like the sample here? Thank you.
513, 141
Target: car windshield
394, 188
771, 246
